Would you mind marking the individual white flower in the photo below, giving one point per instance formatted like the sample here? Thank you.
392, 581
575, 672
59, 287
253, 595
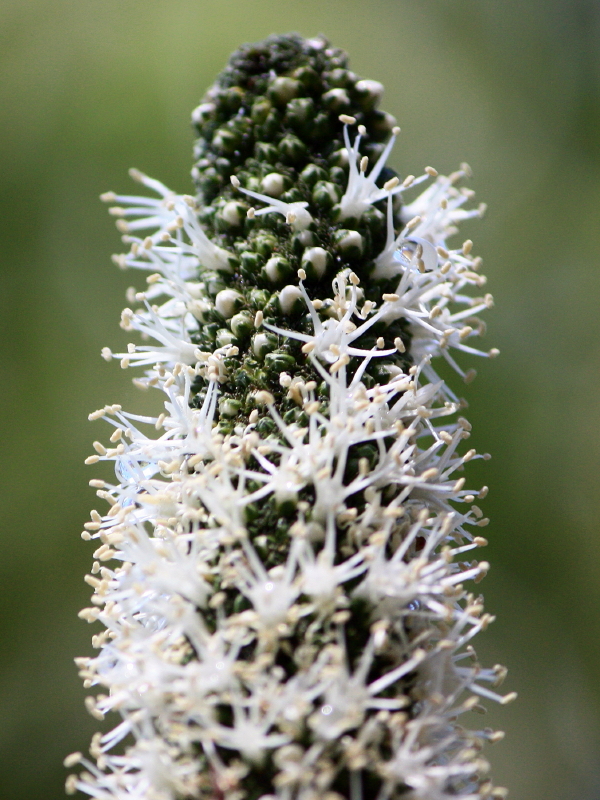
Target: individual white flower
362, 190
295, 213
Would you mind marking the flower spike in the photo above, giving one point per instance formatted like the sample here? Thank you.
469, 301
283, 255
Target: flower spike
282, 576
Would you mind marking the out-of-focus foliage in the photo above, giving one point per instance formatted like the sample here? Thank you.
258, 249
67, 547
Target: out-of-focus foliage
88, 89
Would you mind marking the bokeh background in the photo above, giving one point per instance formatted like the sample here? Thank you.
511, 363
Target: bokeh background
89, 88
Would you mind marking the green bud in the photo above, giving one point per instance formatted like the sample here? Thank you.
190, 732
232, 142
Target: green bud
336, 100
242, 324
250, 263
369, 94
287, 502
271, 126
232, 214
339, 176
214, 283
260, 110
292, 149
349, 244
263, 343
313, 173
231, 99
300, 113
258, 298
373, 219
279, 362
265, 426
341, 78
228, 407
277, 269
224, 337
226, 140
227, 302
339, 158
307, 76
302, 240
291, 300
282, 90
322, 127
326, 194
208, 181
264, 244
382, 124
266, 152
202, 113
315, 262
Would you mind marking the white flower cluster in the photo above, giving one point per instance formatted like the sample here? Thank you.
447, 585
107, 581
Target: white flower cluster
195, 654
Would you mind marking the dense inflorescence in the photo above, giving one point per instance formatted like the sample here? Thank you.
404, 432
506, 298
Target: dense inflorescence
282, 574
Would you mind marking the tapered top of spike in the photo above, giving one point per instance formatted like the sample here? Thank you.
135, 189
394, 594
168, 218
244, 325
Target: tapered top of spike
279, 102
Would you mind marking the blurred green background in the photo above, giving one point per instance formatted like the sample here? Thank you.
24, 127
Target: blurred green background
89, 88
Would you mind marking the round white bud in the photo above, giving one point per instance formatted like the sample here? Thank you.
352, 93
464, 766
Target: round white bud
227, 302
202, 112
231, 213
273, 184
260, 344
317, 258
350, 241
288, 297
373, 89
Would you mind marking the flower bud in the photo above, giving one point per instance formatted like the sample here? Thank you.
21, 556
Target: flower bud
228, 301
316, 260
